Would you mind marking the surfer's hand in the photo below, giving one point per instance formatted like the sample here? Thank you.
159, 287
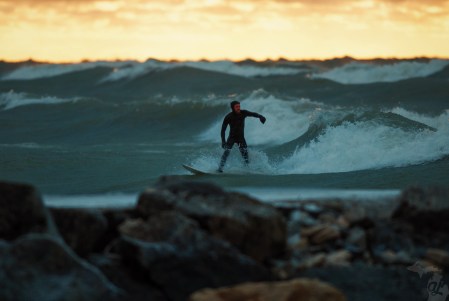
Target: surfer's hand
262, 119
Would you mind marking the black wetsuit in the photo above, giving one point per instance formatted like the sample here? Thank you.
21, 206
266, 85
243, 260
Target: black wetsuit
236, 122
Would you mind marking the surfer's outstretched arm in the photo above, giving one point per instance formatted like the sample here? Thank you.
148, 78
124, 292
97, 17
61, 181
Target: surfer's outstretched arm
257, 115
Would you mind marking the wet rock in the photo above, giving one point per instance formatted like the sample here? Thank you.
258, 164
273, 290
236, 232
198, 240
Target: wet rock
357, 238
134, 284
313, 209
296, 289
173, 253
313, 261
338, 258
255, 228
41, 267
390, 236
321, 233
82, 229
438, 257
298, 219
22, 211
427, 209
362, 282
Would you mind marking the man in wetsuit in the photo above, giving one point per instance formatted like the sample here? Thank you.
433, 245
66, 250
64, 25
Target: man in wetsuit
236, 122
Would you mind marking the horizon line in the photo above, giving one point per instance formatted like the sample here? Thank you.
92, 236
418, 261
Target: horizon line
268, 59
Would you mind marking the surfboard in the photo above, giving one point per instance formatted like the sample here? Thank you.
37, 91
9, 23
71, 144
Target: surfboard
195, 171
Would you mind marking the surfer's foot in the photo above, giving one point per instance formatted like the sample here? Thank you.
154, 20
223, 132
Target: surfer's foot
220, 170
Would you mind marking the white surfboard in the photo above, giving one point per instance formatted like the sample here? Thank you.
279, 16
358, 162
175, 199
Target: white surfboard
196, 171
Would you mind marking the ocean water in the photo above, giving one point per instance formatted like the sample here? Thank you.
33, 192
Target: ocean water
98, 133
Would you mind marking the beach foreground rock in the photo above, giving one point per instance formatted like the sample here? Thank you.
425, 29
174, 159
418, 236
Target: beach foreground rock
255, 228
194, 240
296, 289
41, 267
22, 211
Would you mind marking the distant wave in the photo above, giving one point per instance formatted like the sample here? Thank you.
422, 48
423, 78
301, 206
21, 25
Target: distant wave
133, 69
227, 67
364, 73
13, 100
50, 70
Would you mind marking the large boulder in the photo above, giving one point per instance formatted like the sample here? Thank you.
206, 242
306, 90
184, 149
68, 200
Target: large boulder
135, 285
177, 256
82, 229
41, 267
362, 282
22, 211
255, 228
426, 211
296, 289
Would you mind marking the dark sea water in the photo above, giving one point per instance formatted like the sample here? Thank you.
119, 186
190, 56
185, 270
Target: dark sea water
101, 132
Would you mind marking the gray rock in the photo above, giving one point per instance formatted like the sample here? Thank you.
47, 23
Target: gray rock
426, 211
357, 238
82, 229
41, 267
361, 282
255, 228
22, 211
174, 254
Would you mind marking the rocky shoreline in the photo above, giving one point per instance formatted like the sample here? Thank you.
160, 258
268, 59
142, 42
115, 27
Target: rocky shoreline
194, 241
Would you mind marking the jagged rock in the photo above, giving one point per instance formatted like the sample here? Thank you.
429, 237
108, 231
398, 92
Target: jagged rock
177, 256
41, 267
22, 211
296, 289
362, 282
133, 283
427, 210
255, 228
82, 229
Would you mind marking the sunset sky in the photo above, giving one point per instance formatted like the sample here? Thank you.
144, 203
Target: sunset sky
73, 30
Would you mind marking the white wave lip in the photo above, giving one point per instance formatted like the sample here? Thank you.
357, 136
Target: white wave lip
362, 145
13, 100
365, 73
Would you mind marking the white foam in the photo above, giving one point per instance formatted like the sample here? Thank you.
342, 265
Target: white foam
270, 194
362, 73
91, 201
360, 146
13, 100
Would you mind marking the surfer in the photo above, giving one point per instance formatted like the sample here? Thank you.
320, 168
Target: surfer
236, 122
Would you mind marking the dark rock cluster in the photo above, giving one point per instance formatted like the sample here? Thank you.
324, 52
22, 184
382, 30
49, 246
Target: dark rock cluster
195, 241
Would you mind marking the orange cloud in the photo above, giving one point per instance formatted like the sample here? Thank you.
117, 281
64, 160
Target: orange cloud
76, 29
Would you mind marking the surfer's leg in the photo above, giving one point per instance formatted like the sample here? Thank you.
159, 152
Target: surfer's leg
244, 151
225, 155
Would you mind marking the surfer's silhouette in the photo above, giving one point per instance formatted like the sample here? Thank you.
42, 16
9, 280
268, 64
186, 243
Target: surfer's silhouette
236, 122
